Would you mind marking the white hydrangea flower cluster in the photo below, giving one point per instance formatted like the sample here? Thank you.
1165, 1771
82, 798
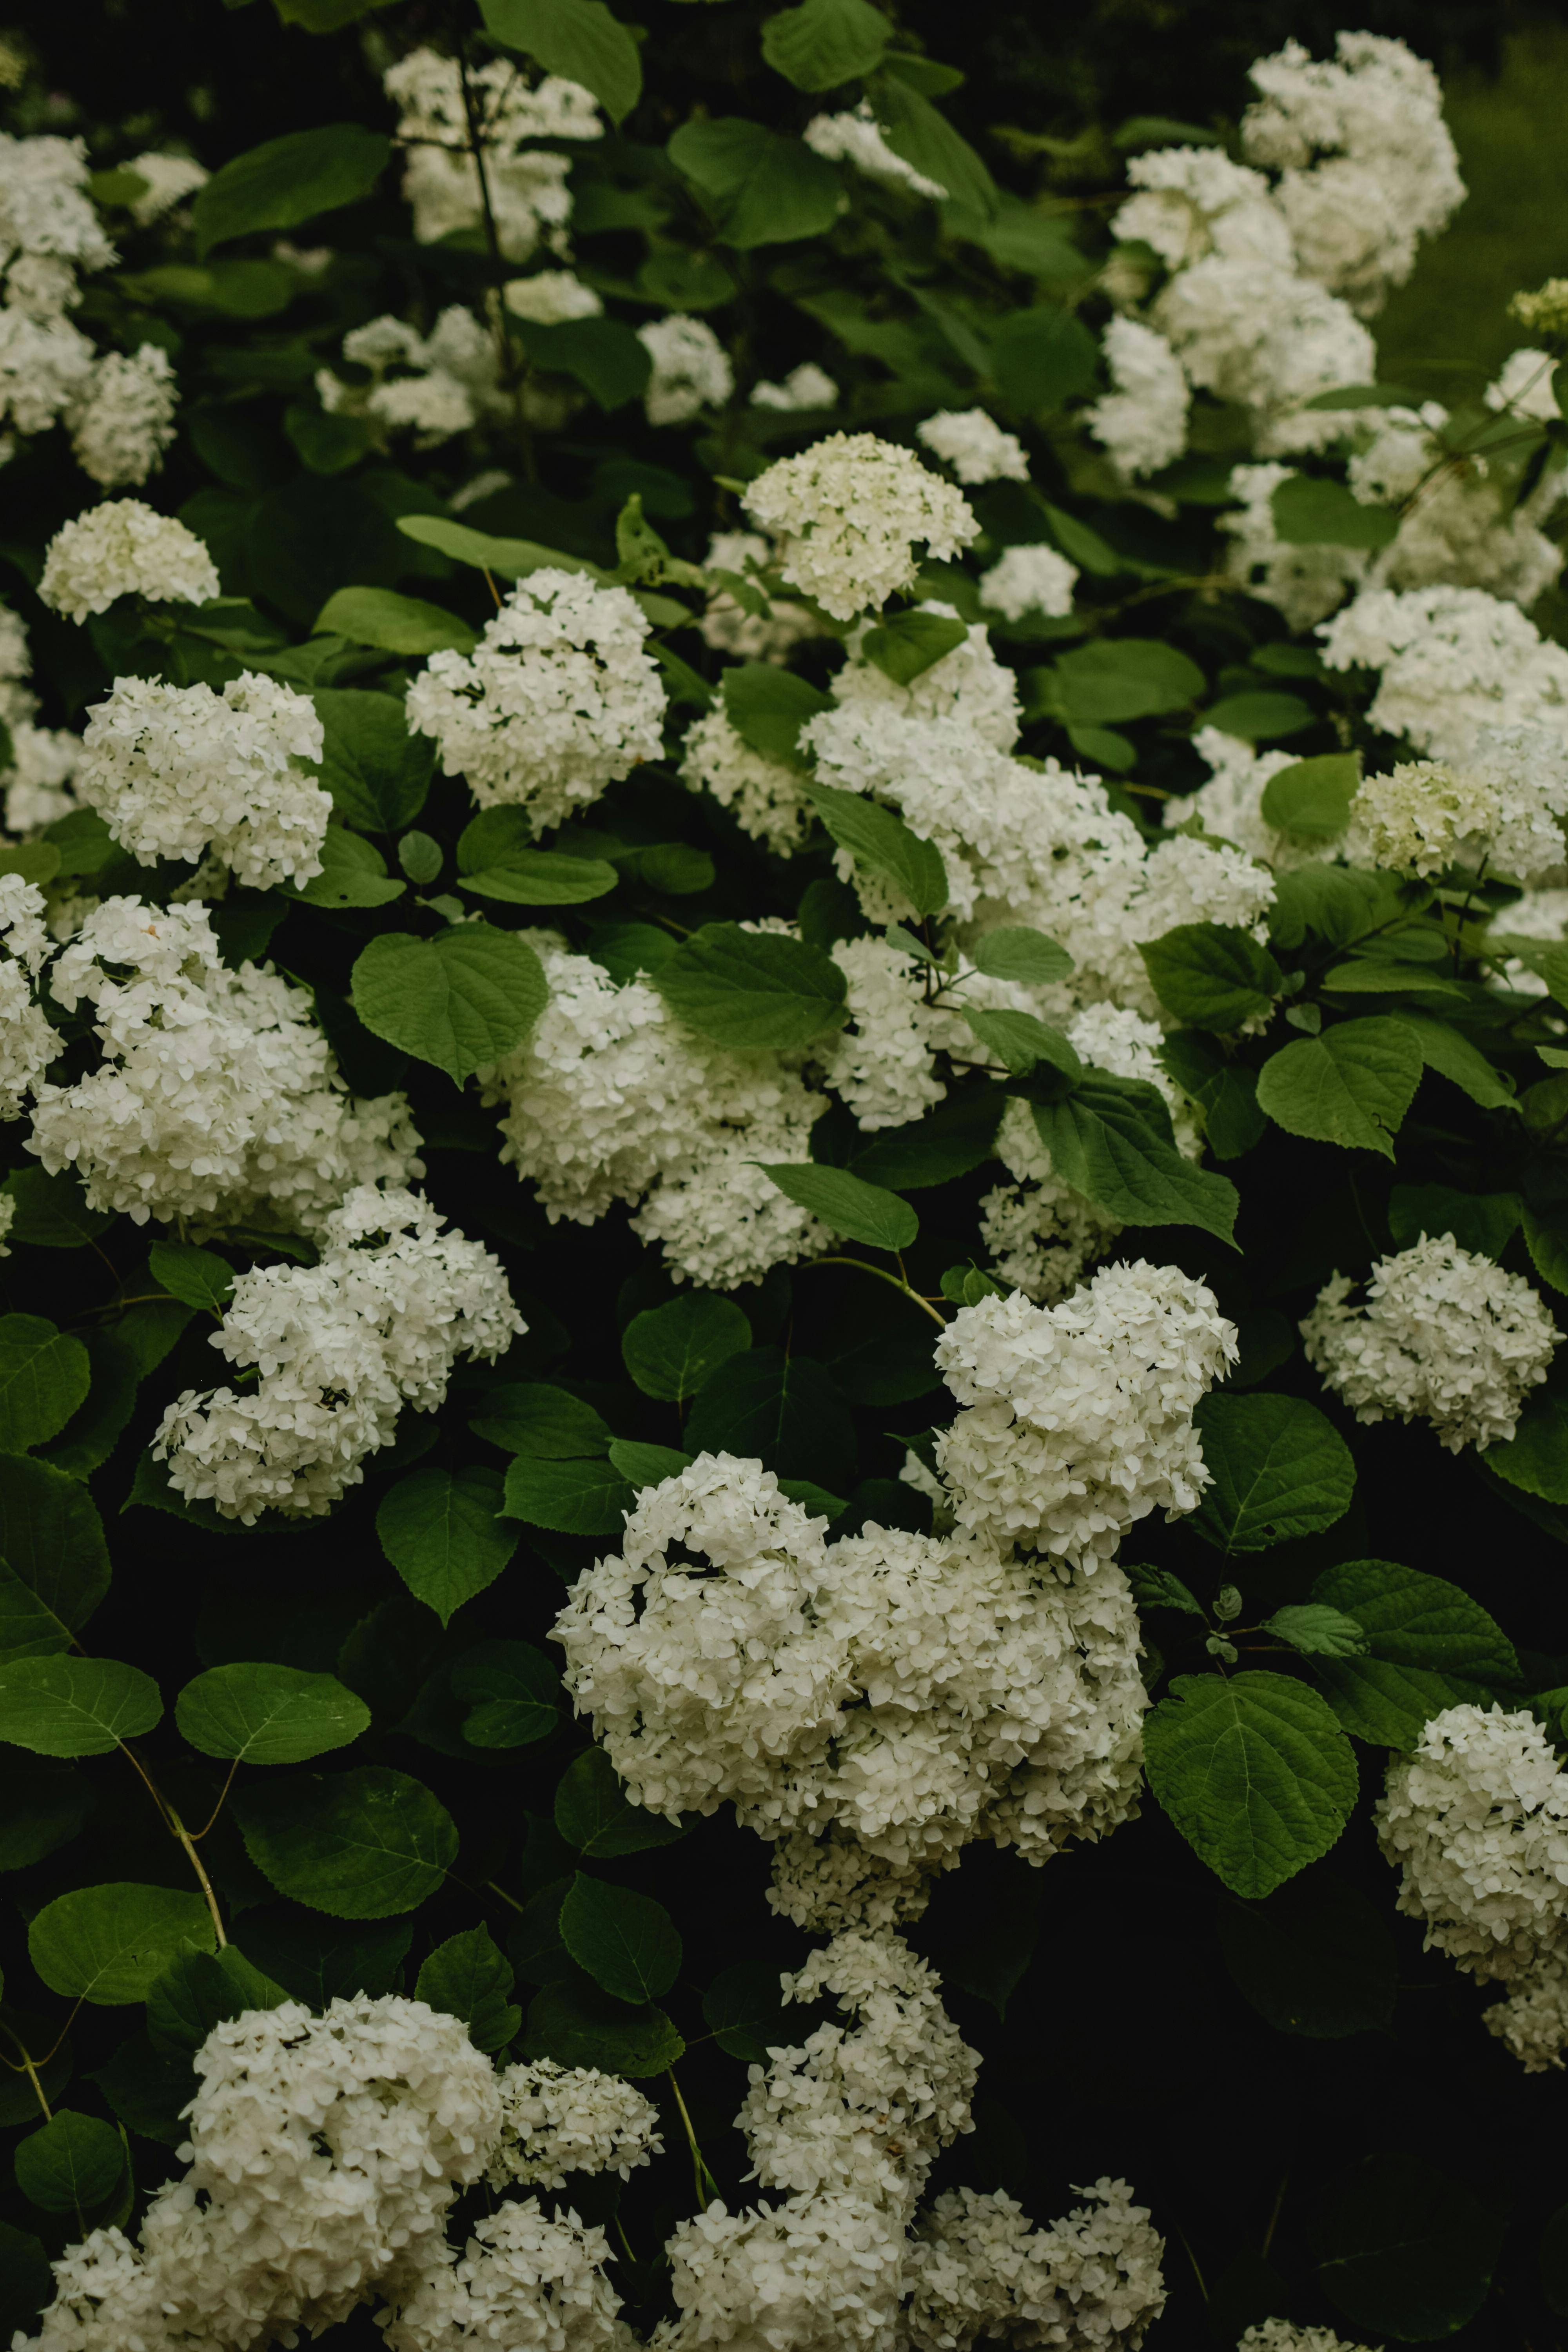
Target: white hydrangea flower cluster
882, 1065
981, 2274
847, 514
1453, 660
445, 381
526, 2280
905, 1695
1304, 581
728, 627
1526, 385
340, 1348
528, 189
37, 783
551, 297
1143, 421
1029, 580
167, 181
324, 2154
608, 1097
1229, 806
1444, 1335
557, 700
968, 683
124, 548
975, 445
180, 770
1476, 1821
1284, 2335
28, 1042
857, 137
560, 2119
122, 428
805, 386
1078, 1417
1539, 914
1367, 166
691, 368
217, 1100
1532, 2023
1503, 808
1460, 525
764, 797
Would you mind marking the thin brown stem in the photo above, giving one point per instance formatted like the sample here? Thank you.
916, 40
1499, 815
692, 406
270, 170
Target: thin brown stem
184, 1836
197, 1835
29, 2067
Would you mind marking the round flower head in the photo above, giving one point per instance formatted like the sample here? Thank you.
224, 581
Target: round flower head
692, 370
558, 699
1505, 806
125, 549
975, 445
1029, 580
1445, 1336
848, 513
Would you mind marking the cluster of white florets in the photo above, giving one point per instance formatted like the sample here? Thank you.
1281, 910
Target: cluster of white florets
981, 2274
530, 195
1029, 580
968, 683
1229, 806
1284, 2335
764, 796
124, 548
882, 1067
1504, 807
903, 1694
847, 514
27, 1043
1078, 1417
35, 779
429, 385
217, 1100
857, 137
975, 445
1444, 1335
529, 2280
1143, 421
1453, 660
180, 770
805, 386
610, 1099
730, 628
560, 2119
1304, 581
339, 1348
691, 370
557, 700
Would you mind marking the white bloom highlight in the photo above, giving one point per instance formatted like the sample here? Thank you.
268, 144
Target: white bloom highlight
124, 548
1444, 1335
691, 368
730, 627
857, 138
120, 432
167, 181
847, 514
763, 795
530, 196
1143, 422
805, 386
551, 297
27, 1043
1029, 580
975, 445
1452, 661
1505, 806
981, 2274
557, 2120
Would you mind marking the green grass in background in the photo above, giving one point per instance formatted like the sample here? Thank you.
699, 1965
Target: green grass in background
1448, 330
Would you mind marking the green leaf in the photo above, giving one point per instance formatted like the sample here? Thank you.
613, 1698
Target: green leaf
147, 2088
1226, 1092
644, 1465
1311, 511
397, 624
328, 443
926, 138
752, 991
290, 180
1257, 716
1254, 1771
268, 1714
864, 1212
201, 1990
578, 2025
44, 1377
89, 1437
1483, 1221
1042, 358
1311, 801
593, 1813
783, 1411
1212, 975
1403, 2251
1314, 1958
1352, 1086
365, 1845
1281, 1469
109, 1944
51, 1212
1105, 1141
605, 355
1415, 1620
1024, 955
1157, 1588
1386, 975
767, 707
906, 645
1021, 1041
578, 39
71, 2164
495, 858
572, 1499
1124, 677
512, 558
1317, 1631
513, 1690
45, 1808
35, 861
376, 771
1546, 1239
825, 42
954, 1138
1535, 1458
353, 874
439, 1529
197, 1277
26, 2283
75, 1707
627, 1942
875, 837
316, 1959
470, 1977
762, 187
534, 1417
54, 1562
743, 2010
671, 1351
1455, 1058
466, 997
1388, 1705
